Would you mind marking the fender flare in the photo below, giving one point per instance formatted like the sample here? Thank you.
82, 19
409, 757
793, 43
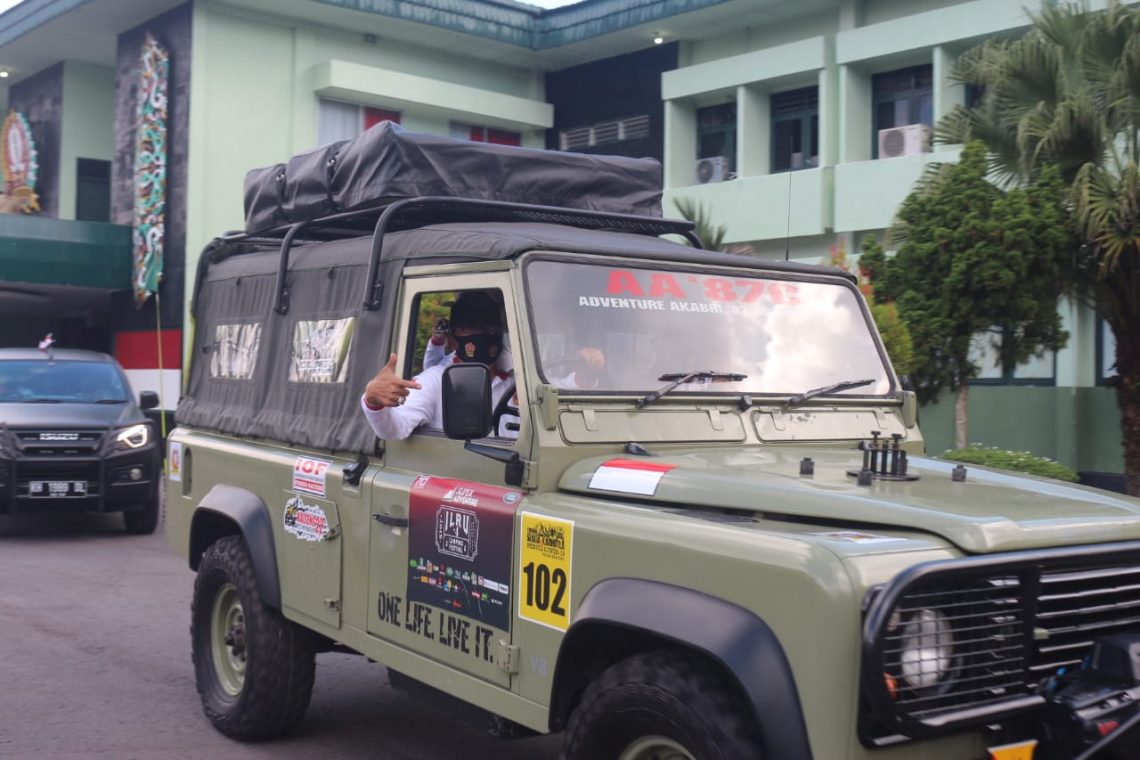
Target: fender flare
248, 512
738, 640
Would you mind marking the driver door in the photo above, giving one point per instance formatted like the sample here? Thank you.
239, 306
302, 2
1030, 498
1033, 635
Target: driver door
441, 547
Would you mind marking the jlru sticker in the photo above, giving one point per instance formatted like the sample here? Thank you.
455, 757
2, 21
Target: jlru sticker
457, 532
307, 522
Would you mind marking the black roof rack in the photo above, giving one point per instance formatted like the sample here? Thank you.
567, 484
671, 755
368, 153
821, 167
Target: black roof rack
412, 213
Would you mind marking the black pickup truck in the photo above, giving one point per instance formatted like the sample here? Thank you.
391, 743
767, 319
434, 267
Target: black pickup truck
72, 437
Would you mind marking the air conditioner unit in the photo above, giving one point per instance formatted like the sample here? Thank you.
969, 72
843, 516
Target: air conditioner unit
713, 169
904, 141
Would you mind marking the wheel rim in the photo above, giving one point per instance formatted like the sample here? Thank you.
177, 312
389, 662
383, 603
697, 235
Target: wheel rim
655, 748
227, 639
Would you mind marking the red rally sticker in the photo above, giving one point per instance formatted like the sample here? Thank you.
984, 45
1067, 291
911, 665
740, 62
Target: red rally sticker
629, 476
309, 476
460, 546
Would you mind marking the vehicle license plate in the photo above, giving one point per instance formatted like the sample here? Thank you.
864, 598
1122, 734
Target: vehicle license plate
56, 489
1016, 751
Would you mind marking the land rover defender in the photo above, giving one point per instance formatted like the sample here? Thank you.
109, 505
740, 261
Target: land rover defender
731, 545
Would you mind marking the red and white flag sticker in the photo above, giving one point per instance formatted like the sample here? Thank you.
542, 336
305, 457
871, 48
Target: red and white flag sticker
629, 476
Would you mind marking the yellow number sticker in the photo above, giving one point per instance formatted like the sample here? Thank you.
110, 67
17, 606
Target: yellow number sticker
544, 570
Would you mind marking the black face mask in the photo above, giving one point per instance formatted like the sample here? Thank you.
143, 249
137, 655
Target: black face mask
483, 348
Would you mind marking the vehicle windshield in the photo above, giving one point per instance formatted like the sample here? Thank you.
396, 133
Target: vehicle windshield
65, 382
786, 337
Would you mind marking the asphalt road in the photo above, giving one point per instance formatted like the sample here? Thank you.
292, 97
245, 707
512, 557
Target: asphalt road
95, 663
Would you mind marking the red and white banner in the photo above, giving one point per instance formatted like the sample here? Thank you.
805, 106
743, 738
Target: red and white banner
138, 353
629, 476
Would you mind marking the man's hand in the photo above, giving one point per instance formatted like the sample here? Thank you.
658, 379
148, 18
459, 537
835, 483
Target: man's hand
388, 388
588, 367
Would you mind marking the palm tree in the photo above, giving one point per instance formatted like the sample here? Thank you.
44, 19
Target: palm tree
1067, 94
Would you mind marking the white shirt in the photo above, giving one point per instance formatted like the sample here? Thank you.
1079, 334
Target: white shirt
425, 407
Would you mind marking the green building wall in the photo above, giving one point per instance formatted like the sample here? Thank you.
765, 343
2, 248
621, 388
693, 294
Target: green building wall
87, 125
255, 85
1078, 427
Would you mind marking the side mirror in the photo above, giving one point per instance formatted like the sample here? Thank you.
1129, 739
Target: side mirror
466, 401
148, 400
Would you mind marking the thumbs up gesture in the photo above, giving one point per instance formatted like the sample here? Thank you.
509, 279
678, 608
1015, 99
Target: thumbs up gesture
388, 388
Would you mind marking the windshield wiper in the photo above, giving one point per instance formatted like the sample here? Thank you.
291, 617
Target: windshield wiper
110, 401
41, 401
846, 385
680, 378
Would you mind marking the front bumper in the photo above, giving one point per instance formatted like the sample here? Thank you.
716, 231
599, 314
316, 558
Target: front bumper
122, 481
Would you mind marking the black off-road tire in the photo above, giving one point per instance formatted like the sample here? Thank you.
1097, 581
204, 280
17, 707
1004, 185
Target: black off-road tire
142, 522
665, 694
280, 656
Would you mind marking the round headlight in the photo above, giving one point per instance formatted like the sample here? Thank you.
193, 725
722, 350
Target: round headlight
927, 648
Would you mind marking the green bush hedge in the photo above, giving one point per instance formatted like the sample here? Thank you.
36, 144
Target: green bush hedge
1019, 461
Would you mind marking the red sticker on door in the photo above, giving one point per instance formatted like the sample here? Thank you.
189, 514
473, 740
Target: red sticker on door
459, 548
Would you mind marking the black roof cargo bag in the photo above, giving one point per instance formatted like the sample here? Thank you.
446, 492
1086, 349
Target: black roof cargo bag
263, 198
386, 164
291, 192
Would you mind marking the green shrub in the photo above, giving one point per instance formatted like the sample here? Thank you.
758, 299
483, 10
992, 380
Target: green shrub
1019, 461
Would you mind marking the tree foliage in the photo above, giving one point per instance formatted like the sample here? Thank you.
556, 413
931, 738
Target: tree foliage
975, 260
892, 329
711, 235
1065, 98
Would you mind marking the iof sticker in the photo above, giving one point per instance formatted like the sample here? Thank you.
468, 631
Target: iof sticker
547, 550
309, 476
307, 522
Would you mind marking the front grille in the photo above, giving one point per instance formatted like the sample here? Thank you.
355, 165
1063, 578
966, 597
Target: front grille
1078, 606
59, 443
965, 642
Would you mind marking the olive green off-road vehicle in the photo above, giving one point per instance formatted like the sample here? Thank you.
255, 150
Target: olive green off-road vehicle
728, 546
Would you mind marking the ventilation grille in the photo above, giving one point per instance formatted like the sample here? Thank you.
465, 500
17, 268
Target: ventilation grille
604, 133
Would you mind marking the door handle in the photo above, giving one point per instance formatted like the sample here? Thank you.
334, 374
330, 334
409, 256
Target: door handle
395, 522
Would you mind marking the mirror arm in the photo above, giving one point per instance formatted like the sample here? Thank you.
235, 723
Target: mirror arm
513, 473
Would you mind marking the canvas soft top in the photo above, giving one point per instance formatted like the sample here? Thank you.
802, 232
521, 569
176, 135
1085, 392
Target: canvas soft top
295, 375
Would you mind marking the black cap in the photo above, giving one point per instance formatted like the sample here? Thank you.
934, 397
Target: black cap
475, 309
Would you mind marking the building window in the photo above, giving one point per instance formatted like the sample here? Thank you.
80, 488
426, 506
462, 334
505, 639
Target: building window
974, 95
795, 129
337, 120
476, 133
92, 190
902, 97
1105, 353
984, 353
604, 132
716, 133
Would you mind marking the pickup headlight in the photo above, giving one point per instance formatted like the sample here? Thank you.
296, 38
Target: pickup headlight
133, 437
927, 648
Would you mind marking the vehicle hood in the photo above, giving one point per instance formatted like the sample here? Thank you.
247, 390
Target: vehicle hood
992, 511
18, 415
